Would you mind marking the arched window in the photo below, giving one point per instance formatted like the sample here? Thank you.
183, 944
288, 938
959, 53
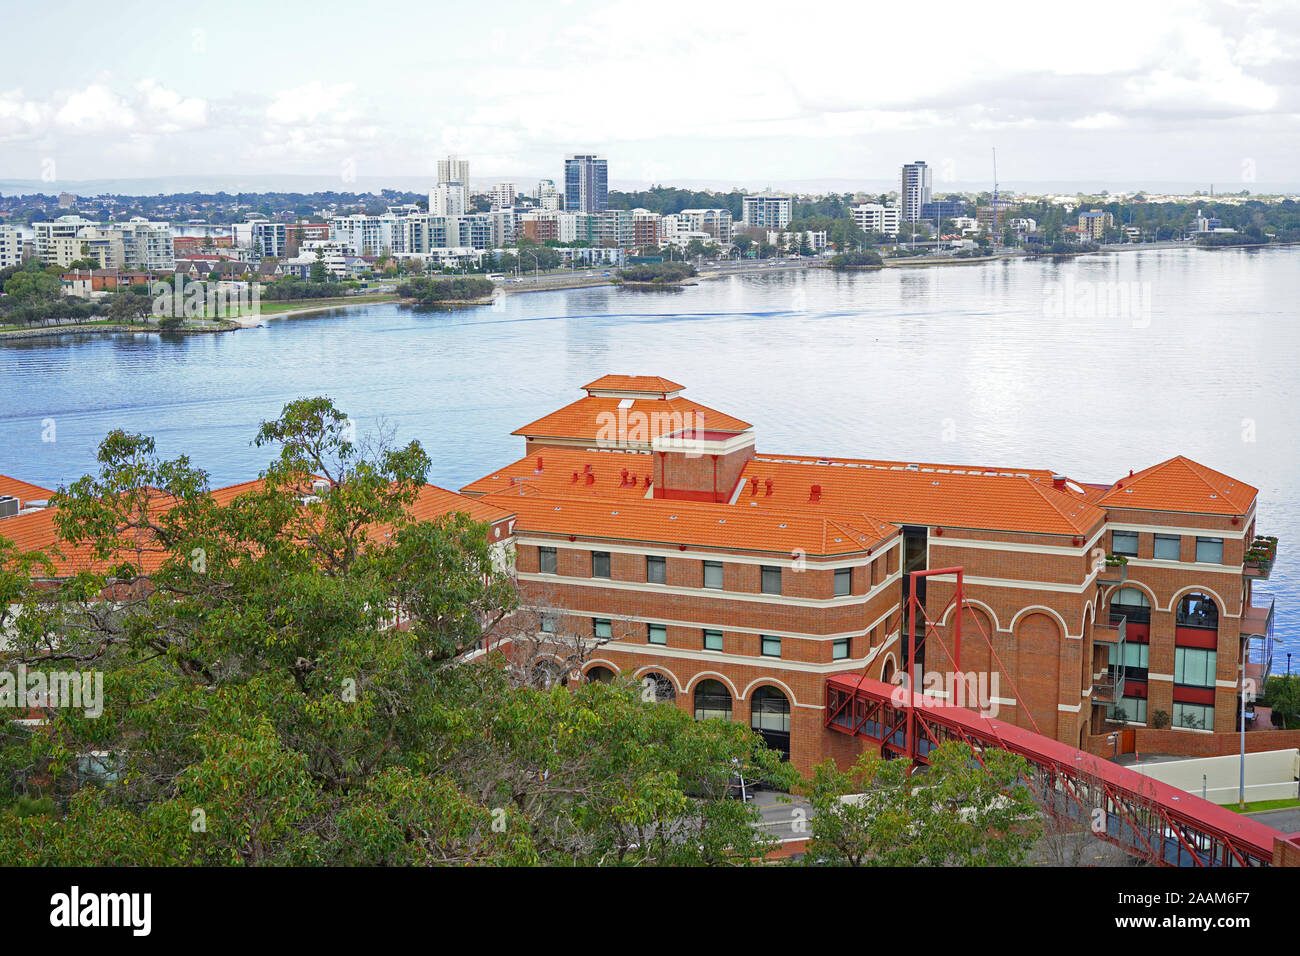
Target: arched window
600, 675
712, 699
769, 714
1198, 610
1133, 603
661, 686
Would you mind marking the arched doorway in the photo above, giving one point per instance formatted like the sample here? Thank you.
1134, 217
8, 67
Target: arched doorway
656, 687
712, 700
769, 715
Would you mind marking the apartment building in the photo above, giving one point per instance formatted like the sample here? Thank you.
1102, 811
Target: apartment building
876, 217
586, 183
652, 527
503, 195
11, 247
1094, 224
914, 190
716, 223
766, 211
46, 234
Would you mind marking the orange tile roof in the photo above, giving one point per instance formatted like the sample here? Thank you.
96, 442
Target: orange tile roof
1181, 485
634, 383
697, 524
558, 467
601, 419
37, 531
23, 490
929, 495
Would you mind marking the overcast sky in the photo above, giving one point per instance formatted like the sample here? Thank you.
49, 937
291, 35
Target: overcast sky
753, 92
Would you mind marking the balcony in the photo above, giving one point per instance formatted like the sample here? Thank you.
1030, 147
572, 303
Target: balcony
1259, 559
1110, 628
1115, 571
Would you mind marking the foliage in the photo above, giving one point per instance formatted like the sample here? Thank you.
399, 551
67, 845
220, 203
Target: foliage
847, 260
259, 706
1283, 694
957, 812
460, 289
658, 272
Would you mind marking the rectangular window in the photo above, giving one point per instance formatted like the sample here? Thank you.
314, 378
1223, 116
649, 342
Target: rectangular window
600, 564
771, 646
1124, 542
1193, 716
843, 581
1209, 550
656, 570
602, 628
548, 624
713, 640
546, 560
840, 649
771, 580
713, 575
1167, 547
657, 633
1135, 659
1194, 666
1130, 709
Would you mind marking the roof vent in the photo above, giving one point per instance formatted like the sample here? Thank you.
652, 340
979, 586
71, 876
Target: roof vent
8, 506
768, 485
539, 462
815, 493
1058, 481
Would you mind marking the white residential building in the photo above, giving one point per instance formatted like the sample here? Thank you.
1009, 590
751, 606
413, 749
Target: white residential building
792, 240
548, 196
766, 211
146, 245
44, 234
914, 191
715, 222
877, 217
503, 195
11, 247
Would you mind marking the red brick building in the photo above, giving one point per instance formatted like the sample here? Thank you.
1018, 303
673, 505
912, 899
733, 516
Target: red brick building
652, 526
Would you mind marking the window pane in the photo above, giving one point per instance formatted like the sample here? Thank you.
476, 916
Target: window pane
548, 624
1209, 550
655, 570
546, 560
771, 646
600, 564
713, 640
603, 628
840, 649
771, 580
843, 581
713, 574
1124, 542
658, 634
1167, 547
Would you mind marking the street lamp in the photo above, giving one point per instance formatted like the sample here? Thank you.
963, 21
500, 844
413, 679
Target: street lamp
1241, 785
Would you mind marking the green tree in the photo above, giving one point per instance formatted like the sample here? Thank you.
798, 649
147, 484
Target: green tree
1283, 694
260, 708
957, 812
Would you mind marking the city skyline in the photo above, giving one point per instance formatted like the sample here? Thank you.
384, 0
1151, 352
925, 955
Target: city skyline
1191, 92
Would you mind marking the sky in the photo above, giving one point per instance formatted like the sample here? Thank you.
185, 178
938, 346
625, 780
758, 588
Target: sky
687, 93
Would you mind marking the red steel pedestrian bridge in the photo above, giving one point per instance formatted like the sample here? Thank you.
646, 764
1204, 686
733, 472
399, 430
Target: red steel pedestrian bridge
1146, 818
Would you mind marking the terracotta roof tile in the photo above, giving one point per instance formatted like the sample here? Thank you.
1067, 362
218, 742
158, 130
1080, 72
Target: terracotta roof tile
696, 524
924, 494
1181, 485
558, 466
639, 420
23, 490
633, 383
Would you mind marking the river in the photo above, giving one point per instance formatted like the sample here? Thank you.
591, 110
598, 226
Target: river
1091, 366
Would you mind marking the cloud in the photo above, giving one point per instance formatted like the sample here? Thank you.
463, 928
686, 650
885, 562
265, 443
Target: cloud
95, 109
311, 103
19, 117
168, 111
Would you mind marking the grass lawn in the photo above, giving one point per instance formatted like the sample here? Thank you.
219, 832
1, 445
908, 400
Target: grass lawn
1259, 805
271, 307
